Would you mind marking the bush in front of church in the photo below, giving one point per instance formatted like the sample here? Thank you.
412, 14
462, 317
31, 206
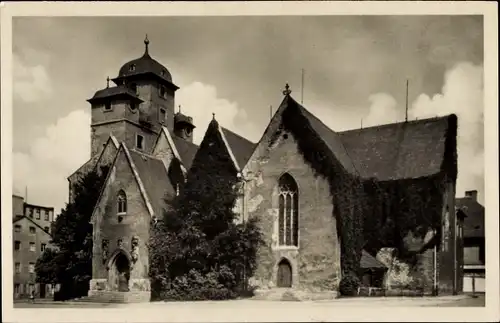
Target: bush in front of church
349, 285
198, 251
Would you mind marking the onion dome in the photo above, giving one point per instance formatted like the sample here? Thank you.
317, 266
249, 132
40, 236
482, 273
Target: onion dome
143, 66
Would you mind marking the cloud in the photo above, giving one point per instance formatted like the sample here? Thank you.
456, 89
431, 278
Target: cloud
44, 169
462, 94
200, 100
31, 83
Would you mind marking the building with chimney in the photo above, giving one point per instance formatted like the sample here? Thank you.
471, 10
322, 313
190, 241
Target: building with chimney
31, 236
474, 269
136, 131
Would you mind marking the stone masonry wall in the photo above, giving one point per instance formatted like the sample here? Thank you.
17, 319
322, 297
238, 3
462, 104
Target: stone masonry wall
135, 223
316, 262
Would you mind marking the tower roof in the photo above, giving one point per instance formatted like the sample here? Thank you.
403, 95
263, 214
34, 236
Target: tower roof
114, 92
181, 118
144, 65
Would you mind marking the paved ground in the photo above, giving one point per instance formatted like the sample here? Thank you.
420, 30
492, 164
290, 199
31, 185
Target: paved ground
245, 310
445, 301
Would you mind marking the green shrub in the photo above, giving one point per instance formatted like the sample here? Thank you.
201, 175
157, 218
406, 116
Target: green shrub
349, 285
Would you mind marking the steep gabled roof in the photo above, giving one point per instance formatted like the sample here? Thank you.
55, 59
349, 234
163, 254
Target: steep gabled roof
399, 150
242, 148
20, 217
154, 177
150, 175
474, 220
94, 160
187, 150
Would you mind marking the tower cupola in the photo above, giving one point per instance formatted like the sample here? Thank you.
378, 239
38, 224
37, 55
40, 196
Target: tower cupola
183, 126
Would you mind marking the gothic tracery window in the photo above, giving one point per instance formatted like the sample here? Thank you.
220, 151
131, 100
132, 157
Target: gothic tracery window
288, 211
122, 202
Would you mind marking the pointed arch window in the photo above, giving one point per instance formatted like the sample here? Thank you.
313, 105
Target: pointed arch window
288, 211
122, 202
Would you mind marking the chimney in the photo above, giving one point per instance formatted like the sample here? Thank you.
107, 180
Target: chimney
471, 194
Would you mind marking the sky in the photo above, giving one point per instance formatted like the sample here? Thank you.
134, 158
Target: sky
355, 70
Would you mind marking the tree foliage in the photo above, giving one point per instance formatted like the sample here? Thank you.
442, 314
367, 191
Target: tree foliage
198, 251
70, 263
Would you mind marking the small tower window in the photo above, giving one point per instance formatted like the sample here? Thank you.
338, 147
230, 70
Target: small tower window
122, 202
132, 106
162, 117
107, 106
163, 91
163, 73
139, 142
131, 68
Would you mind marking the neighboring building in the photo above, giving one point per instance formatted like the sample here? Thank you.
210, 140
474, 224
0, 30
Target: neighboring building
31, 236
473, 242
149, 149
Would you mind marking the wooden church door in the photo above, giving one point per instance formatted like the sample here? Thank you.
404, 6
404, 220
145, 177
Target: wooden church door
284, 274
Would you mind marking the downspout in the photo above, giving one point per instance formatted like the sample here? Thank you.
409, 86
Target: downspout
435, 291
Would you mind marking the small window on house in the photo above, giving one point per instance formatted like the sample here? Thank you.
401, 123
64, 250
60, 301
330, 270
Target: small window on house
38, 214
131, 67
32, 268
17, 288
18, 268
139, 142
47, 229
47, 216
31, 213
132, 106
17, 228
32, 247
122, 202
43, 246
32, 230
162, 115
17, 245
107, 106
163, 73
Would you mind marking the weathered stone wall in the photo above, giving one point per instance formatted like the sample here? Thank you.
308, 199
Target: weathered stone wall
422, 273
135, 223
316, 262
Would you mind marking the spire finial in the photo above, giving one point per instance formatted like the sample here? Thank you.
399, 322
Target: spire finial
107, 82
179, 108
287, 90
146, 42
213, 116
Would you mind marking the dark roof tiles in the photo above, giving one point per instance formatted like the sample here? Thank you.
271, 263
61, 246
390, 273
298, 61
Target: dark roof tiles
155, 179
474, 220
242, 148
187, 150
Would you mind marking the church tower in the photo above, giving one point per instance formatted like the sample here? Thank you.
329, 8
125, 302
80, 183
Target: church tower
183, 126
136, 108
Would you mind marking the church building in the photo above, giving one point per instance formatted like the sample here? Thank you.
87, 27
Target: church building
148, 146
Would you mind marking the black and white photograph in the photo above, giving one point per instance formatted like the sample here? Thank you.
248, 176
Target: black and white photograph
280, 166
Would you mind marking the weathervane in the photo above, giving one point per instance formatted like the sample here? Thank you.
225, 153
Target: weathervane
287, 90
213, 115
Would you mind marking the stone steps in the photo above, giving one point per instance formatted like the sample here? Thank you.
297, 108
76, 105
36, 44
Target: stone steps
116, 297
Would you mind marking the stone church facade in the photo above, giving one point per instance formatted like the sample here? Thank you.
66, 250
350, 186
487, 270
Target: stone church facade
148, 147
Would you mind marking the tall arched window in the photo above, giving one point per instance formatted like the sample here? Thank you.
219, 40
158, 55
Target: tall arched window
122, 202
288, 211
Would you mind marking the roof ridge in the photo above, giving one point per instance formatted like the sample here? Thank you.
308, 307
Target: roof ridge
398, 123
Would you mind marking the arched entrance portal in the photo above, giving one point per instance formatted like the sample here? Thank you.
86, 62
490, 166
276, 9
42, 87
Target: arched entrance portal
120, 273
284, 274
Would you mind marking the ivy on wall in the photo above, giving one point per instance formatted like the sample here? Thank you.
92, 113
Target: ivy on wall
371, 214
